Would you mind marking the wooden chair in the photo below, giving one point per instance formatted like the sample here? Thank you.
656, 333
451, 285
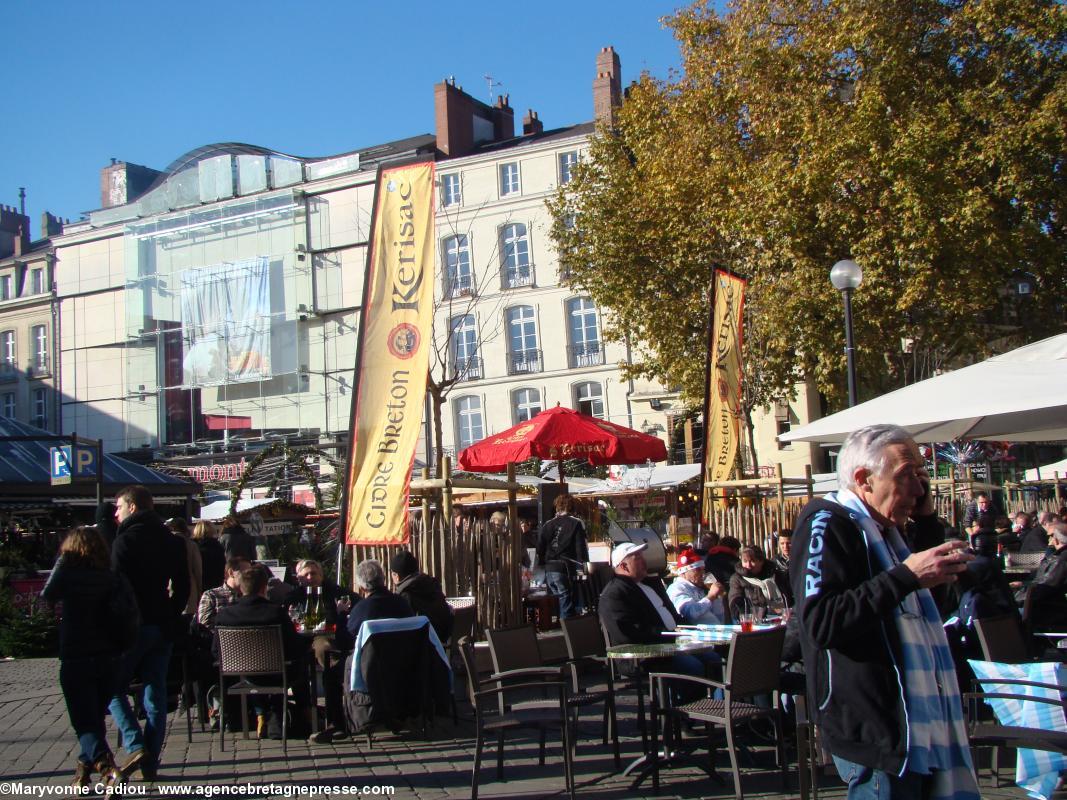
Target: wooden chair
550, 713
251, 652
752, 668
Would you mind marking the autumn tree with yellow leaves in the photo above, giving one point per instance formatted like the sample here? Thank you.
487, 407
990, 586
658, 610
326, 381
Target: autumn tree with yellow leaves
923, 139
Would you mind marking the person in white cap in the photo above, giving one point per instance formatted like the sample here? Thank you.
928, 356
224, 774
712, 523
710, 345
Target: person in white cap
635, 609
696, 603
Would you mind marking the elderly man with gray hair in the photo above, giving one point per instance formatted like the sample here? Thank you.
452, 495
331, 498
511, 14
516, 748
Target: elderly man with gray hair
378, 602
881, 679
1048, 601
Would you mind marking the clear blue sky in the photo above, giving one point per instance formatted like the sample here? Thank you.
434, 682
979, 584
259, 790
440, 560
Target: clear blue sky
148, 81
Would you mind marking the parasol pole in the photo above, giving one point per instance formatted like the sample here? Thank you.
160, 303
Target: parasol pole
559, 465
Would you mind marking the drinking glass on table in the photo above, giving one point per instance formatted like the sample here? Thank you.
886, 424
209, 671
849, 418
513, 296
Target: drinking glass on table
747, 618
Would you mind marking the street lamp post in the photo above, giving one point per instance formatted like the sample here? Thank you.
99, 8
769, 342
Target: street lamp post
846, 275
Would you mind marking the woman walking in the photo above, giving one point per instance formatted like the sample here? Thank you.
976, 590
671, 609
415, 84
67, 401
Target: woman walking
89, 644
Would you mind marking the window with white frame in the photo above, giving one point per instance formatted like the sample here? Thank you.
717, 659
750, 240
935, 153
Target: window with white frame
464, 345
40, 408
525, 404
459, 279
566, 164
8, 361
523, 353
584, 331
39, 342
451, 193
5, 287
515, 249
589, 399
509, 179
8, 405
36, 281
469, 425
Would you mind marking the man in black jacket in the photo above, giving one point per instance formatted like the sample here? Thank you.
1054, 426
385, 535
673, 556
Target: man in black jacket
377, 601
153, 561
254, 609
1048, 591
881, 681
422, 592
635, 609
562, 549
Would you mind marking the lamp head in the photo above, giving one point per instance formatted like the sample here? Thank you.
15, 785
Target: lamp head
846, 274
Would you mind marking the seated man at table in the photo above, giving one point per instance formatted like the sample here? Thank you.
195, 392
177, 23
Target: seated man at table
336, 603
226, 595
376, 602
423, 593
696, 603
635, 609
1048, 601
253, 609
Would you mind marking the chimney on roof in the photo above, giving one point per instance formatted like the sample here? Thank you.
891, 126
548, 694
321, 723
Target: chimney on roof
14, 232
122, 182
461, 123
531, 124
51, 225
503, 119
607, 86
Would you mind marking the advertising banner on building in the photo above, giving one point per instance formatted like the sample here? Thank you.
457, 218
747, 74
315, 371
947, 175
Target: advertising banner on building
722, 398
226, 323
393, 357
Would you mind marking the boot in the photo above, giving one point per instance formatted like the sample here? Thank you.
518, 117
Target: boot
109, 773
82, 775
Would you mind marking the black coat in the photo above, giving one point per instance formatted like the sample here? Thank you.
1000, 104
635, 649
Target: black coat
252, 611
629, 616
1048, 602
425, 597
153, 560
379, 604
238, 543
86, 629
561, 545
213, 559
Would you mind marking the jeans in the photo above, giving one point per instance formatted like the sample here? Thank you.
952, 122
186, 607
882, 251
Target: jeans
867, 783
559, 583
149, 658
88, 684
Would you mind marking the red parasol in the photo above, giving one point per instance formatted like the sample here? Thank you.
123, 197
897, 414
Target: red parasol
562, 433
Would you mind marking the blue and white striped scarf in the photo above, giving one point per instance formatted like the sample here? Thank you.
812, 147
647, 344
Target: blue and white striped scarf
937, 736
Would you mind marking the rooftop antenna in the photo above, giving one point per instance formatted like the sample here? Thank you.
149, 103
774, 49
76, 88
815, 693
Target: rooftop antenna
489, 80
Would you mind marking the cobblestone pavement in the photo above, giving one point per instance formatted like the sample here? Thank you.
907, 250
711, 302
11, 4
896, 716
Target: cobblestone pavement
37, 749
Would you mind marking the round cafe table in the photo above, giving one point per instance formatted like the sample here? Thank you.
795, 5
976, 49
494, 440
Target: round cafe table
643, 652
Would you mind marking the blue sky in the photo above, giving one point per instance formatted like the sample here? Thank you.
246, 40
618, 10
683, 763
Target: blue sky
148, 81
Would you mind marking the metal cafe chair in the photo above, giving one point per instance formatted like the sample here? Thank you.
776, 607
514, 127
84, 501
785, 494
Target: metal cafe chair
502, 716
251, 652
586, 654
752, 668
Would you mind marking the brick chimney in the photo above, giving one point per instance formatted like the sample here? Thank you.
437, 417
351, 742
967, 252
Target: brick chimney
531, 124
14, 232
122, 182
461, 123
607, 86
503, 119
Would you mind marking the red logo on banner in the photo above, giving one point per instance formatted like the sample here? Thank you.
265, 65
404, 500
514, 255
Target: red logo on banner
404, 340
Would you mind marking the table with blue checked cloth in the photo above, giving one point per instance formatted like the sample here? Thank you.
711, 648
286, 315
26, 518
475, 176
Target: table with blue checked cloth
1036, 771
715, 634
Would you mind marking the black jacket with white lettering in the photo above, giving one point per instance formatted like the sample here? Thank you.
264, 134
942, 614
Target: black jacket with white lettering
852, 653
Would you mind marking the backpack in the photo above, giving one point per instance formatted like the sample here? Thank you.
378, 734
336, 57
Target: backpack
124, 614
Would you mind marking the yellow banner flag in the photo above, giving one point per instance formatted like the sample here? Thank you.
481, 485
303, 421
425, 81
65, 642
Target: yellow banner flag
393, 357
722, 402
